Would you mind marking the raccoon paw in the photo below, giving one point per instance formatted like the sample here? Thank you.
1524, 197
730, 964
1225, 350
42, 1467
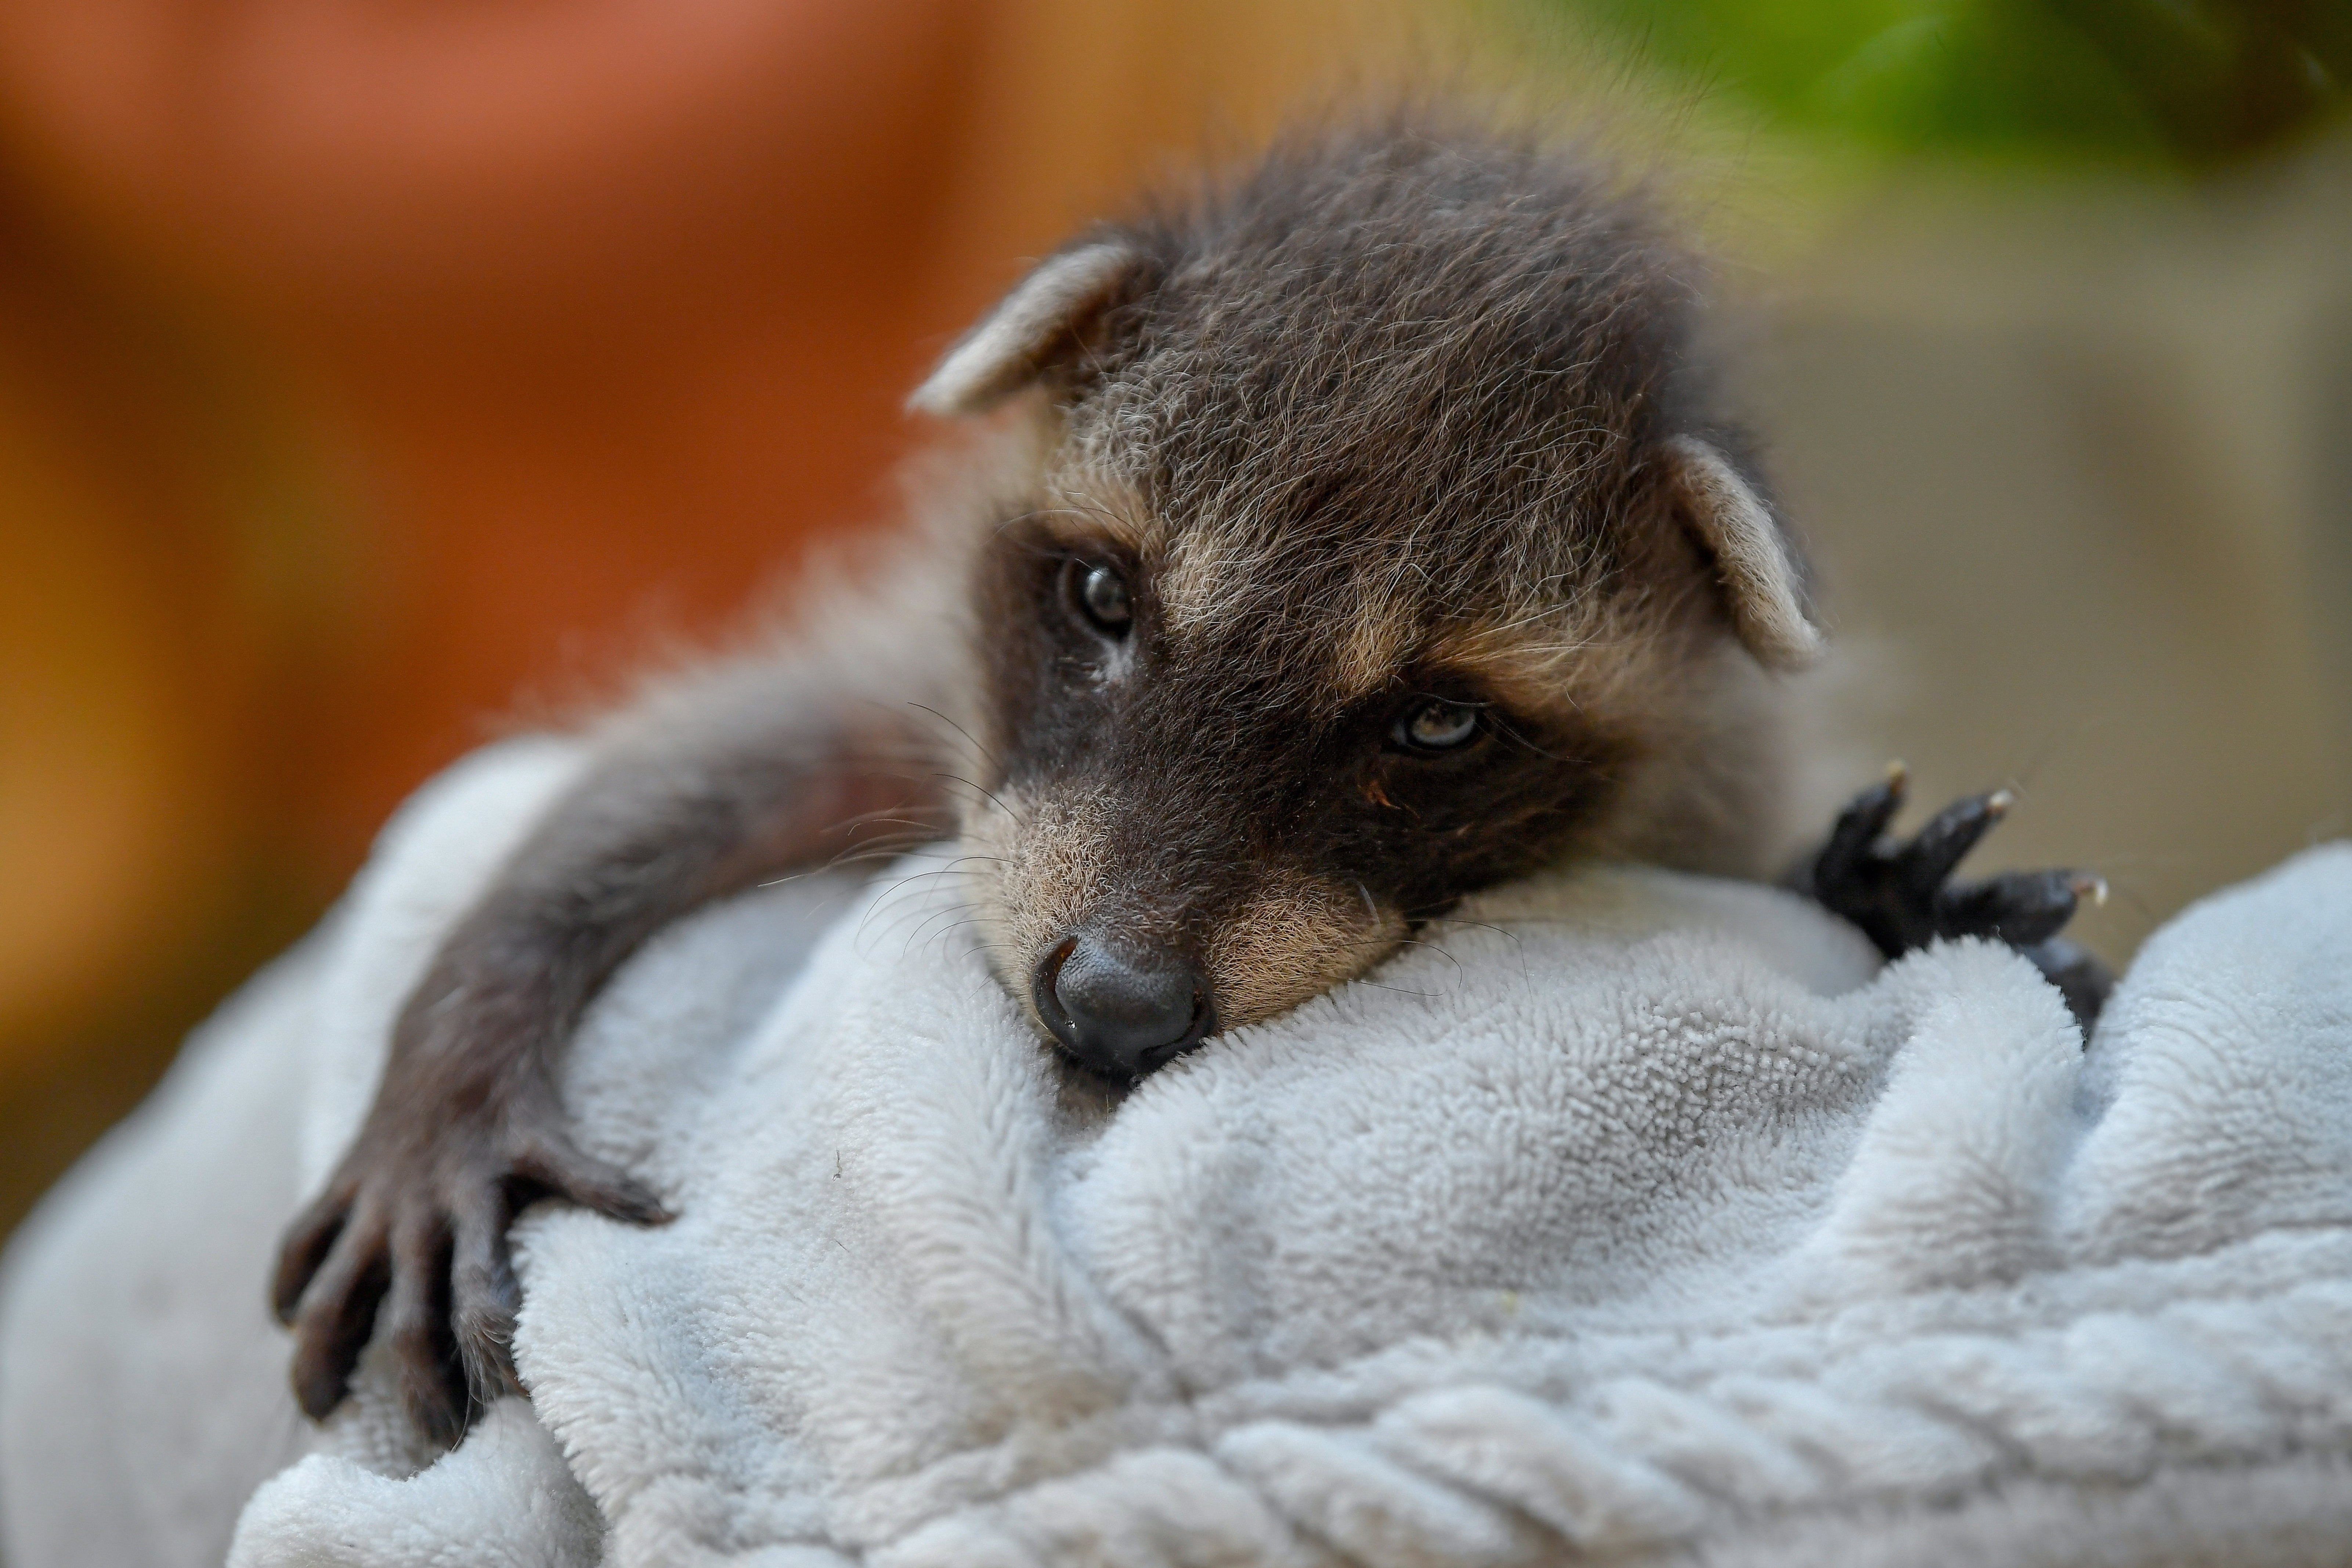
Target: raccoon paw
1900, 892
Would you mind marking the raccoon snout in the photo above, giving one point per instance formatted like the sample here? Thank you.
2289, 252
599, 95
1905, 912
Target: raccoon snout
1119, 1014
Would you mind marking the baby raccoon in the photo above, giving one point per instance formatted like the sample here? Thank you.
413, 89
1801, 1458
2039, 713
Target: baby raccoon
1351, 538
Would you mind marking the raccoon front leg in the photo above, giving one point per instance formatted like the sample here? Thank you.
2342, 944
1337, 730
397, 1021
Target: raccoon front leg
1900, 892
745, 772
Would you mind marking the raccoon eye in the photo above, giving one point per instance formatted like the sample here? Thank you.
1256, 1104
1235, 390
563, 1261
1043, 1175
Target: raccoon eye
1435, 725
1099, 595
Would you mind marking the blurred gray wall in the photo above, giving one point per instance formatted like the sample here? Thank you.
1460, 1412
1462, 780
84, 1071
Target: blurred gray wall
2076, 468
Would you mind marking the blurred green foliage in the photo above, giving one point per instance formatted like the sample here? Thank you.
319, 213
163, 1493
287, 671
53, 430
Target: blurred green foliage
2191, 83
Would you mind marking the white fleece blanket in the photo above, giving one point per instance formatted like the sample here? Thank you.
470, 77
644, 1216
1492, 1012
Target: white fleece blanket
1635, 1218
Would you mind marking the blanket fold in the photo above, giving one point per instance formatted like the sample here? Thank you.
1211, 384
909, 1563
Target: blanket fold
1634, 1217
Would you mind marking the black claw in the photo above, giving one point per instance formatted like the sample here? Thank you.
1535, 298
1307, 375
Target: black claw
1860, 826
336, 1319
1936, 851
434, 1396
431, 1389
435, 1388
306, 1249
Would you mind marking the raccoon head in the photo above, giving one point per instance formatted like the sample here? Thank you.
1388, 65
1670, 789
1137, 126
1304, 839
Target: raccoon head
1378, 548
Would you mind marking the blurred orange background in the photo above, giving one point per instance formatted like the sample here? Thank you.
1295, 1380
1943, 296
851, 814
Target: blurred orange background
372, 374
375, 374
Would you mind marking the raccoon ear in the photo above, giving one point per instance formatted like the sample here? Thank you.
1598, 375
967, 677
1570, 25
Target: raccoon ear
1046, 315
1761, 572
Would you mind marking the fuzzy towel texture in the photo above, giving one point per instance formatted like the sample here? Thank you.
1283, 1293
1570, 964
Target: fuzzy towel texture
1634, 1218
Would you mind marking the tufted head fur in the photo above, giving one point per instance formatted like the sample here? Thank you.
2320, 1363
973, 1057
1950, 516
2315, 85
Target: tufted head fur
1403, 422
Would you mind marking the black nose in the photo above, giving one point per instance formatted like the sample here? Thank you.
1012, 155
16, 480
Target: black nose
1121, 1015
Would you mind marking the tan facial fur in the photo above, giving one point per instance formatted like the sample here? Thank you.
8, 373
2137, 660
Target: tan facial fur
1297, 938
1045, 871
1043, 865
